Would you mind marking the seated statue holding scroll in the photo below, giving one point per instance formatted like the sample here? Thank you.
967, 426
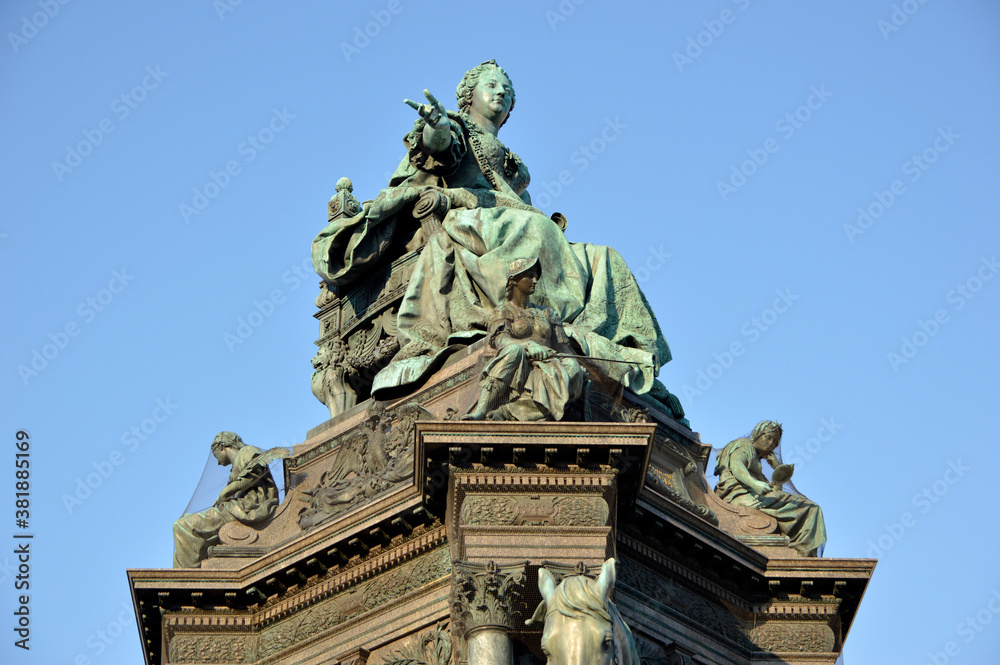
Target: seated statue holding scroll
459, 278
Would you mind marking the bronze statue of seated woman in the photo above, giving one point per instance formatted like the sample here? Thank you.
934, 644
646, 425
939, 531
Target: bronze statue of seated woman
742, 482
458, 280
527, 379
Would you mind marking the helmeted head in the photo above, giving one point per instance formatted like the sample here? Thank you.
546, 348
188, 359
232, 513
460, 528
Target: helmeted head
467, 86
519, 269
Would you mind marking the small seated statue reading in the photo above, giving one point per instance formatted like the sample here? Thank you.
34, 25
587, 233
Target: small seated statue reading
528, 379
250, 497
742, 482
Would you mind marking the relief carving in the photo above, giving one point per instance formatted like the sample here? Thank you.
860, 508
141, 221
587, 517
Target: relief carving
345, 368
346, 605
629, 413
308, 623
741, 520
373, 458
325, 297
433, 648
651, 653
663, 483
580, 511
479, 510
534, 510
329, 378
369, 349
424, 570
212, 648
802, 636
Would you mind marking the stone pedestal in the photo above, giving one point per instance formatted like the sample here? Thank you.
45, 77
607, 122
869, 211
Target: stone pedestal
431, 555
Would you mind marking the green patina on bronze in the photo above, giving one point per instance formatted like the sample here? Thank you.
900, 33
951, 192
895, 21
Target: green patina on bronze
460, 277
527, 379
250, 497
742, 482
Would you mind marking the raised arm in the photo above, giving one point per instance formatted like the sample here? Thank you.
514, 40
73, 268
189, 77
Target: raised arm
437, 131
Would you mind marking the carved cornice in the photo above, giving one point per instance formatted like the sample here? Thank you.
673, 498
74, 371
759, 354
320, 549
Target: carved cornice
249, 599
221, 620
561, 480
306, 617
822, 607
535, 456
552, 433
667, 565
352, 575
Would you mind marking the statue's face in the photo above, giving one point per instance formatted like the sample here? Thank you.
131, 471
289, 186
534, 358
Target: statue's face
766, 443
526, 281
222, 456
493, 96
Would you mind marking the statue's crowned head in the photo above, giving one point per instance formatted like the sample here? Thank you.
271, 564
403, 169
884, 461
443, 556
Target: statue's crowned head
227, 440
766, 435
468, 85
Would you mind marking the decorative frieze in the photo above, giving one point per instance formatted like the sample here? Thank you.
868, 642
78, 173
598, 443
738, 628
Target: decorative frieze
199, 638
785, 636
382, 589
213, 648
373, 458
534, 510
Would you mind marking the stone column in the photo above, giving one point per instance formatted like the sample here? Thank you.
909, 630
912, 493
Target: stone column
487, 601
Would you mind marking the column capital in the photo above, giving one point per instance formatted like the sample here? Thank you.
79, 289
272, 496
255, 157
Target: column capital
488, 596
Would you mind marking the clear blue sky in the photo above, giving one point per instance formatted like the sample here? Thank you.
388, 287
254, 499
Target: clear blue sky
117, 114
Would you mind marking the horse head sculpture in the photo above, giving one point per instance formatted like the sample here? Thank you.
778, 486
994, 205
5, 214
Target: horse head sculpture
582, 625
